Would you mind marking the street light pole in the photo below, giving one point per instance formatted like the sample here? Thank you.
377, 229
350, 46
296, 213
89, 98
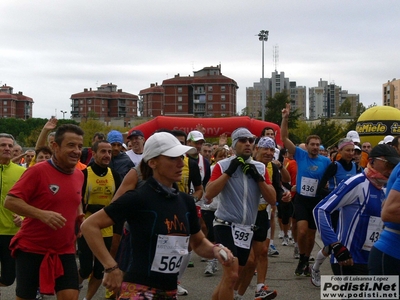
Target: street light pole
263, 36
63, 112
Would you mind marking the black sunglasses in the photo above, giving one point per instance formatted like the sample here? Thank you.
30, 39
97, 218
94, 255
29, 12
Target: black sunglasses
244, 140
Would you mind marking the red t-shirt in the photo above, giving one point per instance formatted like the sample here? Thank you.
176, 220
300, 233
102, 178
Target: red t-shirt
44, 187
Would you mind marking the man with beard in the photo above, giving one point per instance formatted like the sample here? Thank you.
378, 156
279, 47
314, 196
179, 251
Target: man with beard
98, 189
311, 168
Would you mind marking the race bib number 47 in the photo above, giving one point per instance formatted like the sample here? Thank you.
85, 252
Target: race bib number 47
169, 253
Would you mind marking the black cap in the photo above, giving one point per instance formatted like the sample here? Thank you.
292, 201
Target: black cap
387, 151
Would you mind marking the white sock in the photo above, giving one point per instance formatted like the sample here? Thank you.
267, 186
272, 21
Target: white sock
259, 286
319, 260
271, 242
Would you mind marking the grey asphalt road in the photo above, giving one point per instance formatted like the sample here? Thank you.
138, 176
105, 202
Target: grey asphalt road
280, 277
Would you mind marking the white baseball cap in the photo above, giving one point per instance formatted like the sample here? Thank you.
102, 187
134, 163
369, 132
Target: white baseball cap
388, 139
353, 135
164, 143
195, 136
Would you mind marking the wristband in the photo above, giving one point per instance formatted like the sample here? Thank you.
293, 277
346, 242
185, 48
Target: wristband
109, 270
218, 245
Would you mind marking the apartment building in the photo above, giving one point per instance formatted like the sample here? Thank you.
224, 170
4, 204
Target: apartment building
207, 93
276, 84
14, 105
391, 92
325, 101
106, 103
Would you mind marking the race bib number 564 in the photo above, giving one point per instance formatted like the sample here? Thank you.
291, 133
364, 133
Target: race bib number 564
169, 253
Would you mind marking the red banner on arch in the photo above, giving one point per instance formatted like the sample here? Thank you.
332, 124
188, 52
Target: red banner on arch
214, 126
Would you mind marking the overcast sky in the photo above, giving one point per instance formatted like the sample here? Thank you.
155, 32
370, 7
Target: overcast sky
50, 49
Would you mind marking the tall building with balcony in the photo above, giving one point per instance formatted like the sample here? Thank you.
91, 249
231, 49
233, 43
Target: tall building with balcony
276, 84
326, 99
391, 93
207, 93
106, 103
14, 105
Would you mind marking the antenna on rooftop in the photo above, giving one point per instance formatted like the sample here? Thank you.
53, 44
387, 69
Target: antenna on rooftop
276, 57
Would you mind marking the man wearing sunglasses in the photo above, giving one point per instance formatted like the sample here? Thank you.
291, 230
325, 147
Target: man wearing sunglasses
240, 182
359, 200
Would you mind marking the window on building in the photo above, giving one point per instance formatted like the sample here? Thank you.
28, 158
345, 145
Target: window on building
223, 107
102, 101
102, 109
223, 88
81, 101
5, 109
80, 108
210, 107
179, 98
89, 108
5, 102
179, 89
89, 101
179, 107
222, 97
210, 88
133, 110
210, 97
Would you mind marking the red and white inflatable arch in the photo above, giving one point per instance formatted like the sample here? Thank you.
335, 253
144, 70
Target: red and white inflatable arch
214, 126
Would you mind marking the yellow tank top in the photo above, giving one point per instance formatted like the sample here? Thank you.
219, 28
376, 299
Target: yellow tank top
183, 185
100, 190
270, 171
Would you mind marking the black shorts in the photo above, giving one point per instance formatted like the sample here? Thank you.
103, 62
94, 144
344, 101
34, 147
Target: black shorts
88, 263
223, 235
285, 211
262, 226
124, 254
28, 266
303, 206
208, 218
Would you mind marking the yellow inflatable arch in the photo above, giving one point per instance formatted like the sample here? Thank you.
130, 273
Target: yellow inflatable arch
377, 122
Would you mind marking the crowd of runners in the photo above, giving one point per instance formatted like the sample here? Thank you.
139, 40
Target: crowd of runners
128, 212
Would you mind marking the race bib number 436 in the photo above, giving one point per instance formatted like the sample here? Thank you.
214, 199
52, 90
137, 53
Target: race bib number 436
169, 253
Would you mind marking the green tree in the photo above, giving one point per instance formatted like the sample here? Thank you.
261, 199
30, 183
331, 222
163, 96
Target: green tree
345, 108
274, 108
299, 135
329, 131
360, 109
